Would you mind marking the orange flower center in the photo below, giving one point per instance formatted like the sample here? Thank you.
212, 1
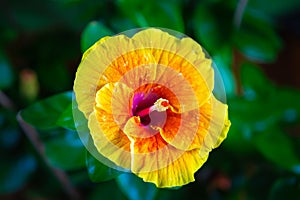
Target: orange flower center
149, 108
150, 103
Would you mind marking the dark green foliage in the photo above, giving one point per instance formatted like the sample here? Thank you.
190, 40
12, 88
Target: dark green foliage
98, 171
46, 113
137, 188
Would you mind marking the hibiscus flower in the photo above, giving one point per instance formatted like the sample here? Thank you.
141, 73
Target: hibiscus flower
150, 105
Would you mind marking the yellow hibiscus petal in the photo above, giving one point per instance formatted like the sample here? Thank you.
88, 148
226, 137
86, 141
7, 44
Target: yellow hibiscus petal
125, 62
154, 160
160, 77
178, 173
108, 63
149, 151
133, 128
185, 56
105, 125
113, 98
221, 119
219, 125
181, 130
90, 76
109, 139
205, 128
204, 84
94, 46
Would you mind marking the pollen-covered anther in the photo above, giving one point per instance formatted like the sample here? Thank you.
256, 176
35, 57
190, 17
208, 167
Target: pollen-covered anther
160, 105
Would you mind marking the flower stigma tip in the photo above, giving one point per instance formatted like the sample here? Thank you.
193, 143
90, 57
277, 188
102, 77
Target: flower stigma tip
161, 105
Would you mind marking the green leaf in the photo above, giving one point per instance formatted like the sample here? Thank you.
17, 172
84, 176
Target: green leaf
275, 7
106, 190
15, 174
98, 172
255, 83
169, 17
277, 147
34, 18
256, 115
256, 38
92, 33
288, 189
66, 150
122, 24
45, 113
223, 61
66, 119
171, 194
255, 47
207, 31
290, 110
6, 73
155, 13
57, 69
135, 188
239, 138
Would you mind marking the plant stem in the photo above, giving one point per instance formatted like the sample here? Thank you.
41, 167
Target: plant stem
60, 175
6, 102
239, 12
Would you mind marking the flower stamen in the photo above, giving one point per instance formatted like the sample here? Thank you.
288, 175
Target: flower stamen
160, 105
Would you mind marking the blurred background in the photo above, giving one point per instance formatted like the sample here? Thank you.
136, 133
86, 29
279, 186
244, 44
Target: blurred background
254, 43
